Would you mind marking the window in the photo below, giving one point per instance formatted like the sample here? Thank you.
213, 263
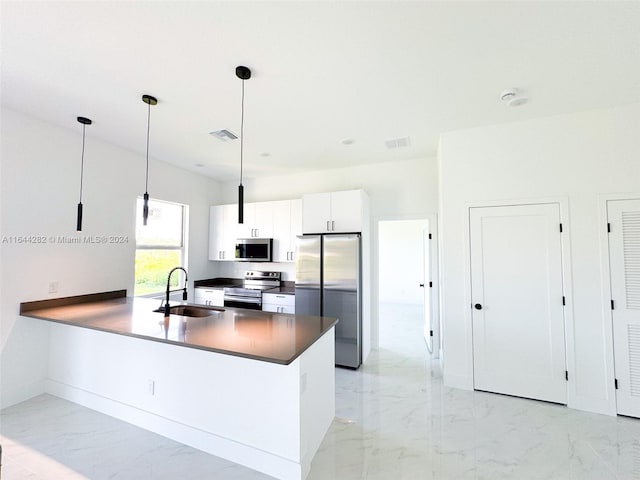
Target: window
160, 246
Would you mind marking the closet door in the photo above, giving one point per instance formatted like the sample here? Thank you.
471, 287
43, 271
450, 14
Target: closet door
624, 261
517, 301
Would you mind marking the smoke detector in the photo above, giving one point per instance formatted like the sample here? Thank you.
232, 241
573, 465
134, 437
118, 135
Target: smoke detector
513, 97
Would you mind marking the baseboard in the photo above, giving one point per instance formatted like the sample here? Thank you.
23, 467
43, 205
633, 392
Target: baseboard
453, 380
21, 393
231, 450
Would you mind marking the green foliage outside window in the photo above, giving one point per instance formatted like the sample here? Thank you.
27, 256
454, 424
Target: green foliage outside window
152, 268
159, 246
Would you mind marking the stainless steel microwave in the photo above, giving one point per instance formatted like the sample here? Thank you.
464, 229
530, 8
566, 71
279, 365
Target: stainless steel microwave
254, 249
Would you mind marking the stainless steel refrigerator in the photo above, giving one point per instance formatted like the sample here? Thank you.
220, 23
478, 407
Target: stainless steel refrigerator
329, 283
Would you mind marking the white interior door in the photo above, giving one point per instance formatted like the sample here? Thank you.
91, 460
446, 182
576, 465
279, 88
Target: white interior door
517, 301
624, 261
427, 289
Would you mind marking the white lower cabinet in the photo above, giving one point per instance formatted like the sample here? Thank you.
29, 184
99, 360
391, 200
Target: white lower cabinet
213, 297
278, 302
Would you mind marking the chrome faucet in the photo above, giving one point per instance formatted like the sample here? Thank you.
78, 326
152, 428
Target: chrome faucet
167, 309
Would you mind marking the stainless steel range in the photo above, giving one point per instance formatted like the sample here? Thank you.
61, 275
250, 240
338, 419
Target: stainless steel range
249, 295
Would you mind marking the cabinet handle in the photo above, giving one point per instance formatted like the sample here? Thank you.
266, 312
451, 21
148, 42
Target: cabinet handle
328, 227
333, 225
257, 233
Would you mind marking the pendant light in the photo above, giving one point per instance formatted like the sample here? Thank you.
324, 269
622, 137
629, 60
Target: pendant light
149, 100
84, 121
243, 73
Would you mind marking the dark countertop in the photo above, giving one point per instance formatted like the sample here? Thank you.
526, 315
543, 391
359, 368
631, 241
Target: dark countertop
285, 290
271, 337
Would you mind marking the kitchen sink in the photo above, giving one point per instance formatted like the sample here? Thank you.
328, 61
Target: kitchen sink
191, 310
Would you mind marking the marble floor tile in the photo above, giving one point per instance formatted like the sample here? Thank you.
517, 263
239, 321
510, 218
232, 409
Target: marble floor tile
395, 420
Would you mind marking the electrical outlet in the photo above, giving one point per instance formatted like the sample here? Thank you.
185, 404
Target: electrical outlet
151, 387
53, 287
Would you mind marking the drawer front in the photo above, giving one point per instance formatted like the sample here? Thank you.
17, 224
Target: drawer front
270, 307
209, 296
279, 299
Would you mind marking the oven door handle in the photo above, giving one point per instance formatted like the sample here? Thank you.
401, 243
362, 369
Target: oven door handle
254, 300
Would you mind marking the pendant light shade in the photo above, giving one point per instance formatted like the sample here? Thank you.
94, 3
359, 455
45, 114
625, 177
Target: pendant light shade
243, 73
84, 121
149, 100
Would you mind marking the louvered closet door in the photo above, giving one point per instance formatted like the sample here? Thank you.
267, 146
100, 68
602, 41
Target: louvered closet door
624, 257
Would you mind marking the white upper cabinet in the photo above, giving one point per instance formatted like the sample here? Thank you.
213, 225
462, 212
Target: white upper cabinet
287, 223
222, 232
258, 221
334, 212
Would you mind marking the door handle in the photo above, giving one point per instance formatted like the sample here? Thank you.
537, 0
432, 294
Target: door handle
477, 306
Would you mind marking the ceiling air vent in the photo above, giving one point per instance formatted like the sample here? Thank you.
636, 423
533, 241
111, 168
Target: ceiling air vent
401, 142
224, 135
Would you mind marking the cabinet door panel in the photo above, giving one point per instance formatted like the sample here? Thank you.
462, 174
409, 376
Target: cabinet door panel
281, 231
230, 233
216, 234
346, 211
263, 220
296, 228
316, 213
245, 229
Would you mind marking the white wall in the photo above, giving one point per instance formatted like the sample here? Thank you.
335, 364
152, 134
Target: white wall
399, 190
401, 265
576, 157
40, 185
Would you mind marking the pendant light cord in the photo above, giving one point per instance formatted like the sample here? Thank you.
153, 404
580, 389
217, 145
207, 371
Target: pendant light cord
146, 184
82, 162
241, 131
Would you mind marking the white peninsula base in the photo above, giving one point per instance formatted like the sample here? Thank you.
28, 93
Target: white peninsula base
266, 416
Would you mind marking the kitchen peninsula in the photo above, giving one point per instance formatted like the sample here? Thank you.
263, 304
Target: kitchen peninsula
253, 387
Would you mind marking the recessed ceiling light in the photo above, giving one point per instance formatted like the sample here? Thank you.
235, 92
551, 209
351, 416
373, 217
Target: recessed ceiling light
347, 141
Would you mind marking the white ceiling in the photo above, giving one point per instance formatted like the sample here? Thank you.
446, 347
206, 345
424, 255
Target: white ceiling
322, 72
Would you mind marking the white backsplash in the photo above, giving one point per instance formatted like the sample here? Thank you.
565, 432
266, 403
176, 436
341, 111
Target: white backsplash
237, 269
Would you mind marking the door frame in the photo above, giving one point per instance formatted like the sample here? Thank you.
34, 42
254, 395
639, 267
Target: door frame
565, 246
436, 321
607, 315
